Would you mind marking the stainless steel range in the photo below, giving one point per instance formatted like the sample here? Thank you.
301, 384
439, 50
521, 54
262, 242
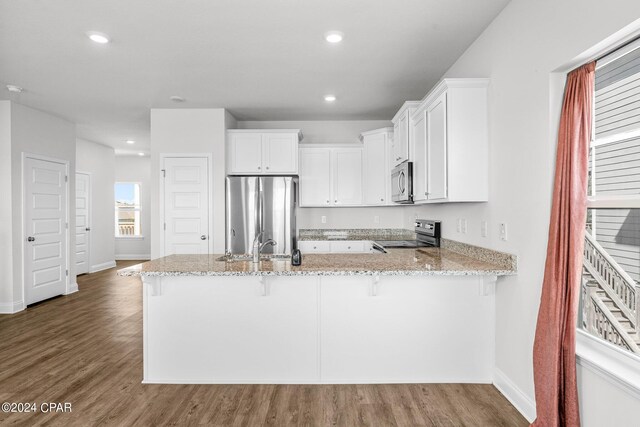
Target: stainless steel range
427, 235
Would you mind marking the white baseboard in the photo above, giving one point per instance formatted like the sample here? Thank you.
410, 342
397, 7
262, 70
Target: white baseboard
523, 403
73, 288
136, 257
11, 307
103, 266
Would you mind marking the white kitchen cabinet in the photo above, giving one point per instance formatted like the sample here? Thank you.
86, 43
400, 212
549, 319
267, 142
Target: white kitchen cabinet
449, 146
315, 177
376, 166
262, 152
419, 156
401, 126
335, 246
437, 149
314, 246
347, 176
330, 176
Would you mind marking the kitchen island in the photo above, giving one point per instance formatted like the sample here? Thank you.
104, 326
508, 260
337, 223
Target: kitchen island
411, 315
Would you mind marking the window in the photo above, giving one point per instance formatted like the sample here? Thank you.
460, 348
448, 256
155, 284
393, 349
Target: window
128, 209
610, 295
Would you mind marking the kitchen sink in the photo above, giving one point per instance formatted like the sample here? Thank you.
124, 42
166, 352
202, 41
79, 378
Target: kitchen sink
248, 257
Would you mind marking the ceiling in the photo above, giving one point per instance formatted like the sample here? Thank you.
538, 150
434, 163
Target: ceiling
262, 60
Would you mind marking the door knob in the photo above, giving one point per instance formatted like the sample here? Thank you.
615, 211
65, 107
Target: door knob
31, 239
203, 237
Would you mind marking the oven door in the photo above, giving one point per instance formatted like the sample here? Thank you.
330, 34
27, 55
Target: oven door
401, 183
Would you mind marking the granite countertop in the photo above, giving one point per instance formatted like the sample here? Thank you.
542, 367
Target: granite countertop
409, 262
356, 234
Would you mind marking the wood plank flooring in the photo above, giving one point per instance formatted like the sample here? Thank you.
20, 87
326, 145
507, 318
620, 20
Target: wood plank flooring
86, 349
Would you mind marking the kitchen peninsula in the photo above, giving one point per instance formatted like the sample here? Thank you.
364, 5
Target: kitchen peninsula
410, 315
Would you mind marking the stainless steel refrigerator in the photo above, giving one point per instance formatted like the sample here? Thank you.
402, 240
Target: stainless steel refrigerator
261, 204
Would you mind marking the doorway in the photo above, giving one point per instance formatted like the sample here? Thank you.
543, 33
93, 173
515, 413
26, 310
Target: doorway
45, 213
186, 205
83, 222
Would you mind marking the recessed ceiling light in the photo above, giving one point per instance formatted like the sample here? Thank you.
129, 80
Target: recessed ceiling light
130, 141
176, 98
14, 88
329, 98
97, 37
334, 36
140, 154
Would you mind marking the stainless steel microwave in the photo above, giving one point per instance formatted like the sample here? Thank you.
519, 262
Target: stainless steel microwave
402, 183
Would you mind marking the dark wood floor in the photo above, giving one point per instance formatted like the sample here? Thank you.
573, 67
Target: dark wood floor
86, 349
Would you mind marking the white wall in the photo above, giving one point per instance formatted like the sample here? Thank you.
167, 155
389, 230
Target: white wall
100, 162
335, 133
6, 228
35, 132
190, 130
519, 52
136, 169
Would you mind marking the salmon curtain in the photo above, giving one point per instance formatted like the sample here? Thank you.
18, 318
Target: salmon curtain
554, 355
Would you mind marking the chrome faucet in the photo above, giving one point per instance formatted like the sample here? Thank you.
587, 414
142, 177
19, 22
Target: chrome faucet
257, 247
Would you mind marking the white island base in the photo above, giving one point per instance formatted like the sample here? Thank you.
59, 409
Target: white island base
318, 329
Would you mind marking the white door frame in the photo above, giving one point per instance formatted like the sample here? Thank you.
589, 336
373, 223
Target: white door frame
69, 288
161, 230
89, 217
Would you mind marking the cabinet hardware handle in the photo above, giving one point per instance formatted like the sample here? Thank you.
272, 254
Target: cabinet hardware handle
382, 200
327, 201
87, 229
203, 237
335, 201
31, 239
267, 167
259, 168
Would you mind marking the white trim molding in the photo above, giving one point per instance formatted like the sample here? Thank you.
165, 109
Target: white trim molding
11, 307
103, 266
523, 403
72, 288
133, 257
613, 364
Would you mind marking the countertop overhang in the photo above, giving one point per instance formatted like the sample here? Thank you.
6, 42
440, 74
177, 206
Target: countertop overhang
406, 262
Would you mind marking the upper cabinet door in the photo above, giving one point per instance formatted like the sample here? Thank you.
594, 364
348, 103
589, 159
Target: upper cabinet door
280, 153
401, 139
376, 172
315, 177
347, 179
245, 156
419, 136
437, 149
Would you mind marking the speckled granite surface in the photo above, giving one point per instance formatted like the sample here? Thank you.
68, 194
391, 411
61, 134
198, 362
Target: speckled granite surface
356, 234
507, 261
410, 262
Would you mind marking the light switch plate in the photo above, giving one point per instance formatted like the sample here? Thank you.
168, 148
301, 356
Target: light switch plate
323, 219
484, 229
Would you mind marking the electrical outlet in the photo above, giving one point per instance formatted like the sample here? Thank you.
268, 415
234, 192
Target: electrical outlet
503, 231
484, 229
463, 227
376, 219
323, 219
459, 225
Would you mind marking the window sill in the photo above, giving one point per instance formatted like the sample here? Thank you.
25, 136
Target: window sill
613, 364
129, 237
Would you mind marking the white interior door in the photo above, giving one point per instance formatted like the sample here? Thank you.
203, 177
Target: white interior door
45, 222
83, 222
186, 205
